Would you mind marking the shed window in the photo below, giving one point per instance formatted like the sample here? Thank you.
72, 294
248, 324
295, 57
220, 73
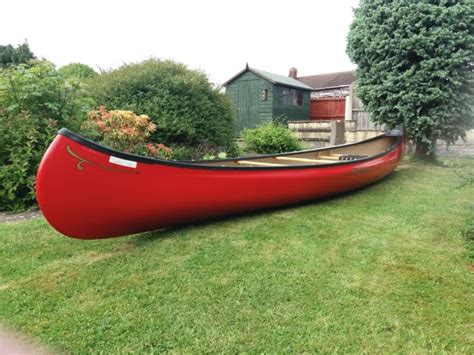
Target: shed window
299, 98
292, 97
284, 97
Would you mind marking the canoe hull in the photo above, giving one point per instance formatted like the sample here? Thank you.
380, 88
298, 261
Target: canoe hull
83, 195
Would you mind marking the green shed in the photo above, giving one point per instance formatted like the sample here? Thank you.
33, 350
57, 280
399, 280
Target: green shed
258, 96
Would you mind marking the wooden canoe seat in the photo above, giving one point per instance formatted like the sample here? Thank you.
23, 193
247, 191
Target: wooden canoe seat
303, 160
258, 163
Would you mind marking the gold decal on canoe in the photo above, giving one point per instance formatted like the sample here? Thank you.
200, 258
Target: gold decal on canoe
102, 166
360, 170
81, 160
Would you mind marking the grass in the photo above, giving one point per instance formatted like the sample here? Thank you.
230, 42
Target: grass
383, 269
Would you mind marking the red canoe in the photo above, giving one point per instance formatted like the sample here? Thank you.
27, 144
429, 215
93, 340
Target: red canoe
88, 191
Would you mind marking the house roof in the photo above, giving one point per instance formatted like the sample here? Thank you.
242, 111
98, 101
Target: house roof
329, 81
273, 78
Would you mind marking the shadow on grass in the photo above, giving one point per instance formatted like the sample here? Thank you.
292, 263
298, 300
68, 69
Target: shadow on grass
172, 232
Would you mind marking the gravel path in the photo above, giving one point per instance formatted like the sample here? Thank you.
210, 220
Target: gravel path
22, 216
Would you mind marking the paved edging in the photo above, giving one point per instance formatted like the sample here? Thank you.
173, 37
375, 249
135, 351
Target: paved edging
22, 216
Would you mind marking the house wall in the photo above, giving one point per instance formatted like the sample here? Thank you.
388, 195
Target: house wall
337, 92
291, 111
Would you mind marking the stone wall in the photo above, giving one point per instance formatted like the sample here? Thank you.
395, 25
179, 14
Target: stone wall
317, 134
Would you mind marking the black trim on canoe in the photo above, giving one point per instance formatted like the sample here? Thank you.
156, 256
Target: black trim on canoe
201, 164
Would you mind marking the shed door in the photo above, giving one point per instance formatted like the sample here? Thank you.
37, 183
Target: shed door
247, 110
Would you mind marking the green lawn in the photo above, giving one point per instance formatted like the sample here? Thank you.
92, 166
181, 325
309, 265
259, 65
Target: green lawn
383, 269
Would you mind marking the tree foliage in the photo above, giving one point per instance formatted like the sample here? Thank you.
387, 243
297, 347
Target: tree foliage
34, 102
10, 55
181, 102
415, 66
78, 71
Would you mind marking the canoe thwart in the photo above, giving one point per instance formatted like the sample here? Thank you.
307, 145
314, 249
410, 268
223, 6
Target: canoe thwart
303, 160
258, 163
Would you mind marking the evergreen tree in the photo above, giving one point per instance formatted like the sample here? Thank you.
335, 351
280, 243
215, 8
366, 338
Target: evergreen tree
10, 55
415, 63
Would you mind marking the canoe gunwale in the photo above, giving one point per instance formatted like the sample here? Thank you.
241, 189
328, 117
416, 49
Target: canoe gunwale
200, 164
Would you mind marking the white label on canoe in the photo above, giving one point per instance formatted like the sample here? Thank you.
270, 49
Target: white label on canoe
123, 162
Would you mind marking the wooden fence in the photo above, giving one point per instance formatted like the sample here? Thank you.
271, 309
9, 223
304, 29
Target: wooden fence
327, 108
362, 118
348, 108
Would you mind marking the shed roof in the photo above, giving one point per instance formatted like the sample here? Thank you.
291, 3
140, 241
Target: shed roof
329, 81
273, 78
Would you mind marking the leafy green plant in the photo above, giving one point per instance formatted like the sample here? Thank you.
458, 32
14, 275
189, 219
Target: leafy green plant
124, 131
77, 70
414, 63
468, 233
221, 155
202, 152
181, 102
34, 101
270, 138
23, 139
281, 120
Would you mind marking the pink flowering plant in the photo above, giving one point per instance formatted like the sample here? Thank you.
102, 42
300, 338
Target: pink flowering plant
124, 131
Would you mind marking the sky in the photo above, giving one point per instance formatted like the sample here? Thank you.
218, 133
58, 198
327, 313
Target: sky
217, 37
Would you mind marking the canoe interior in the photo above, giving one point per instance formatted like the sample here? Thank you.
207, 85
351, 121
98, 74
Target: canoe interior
329, 156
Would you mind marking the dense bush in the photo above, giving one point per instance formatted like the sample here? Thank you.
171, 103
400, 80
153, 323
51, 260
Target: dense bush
34, 102
270, 138
181, 102
78, 71
124, 131
23, 139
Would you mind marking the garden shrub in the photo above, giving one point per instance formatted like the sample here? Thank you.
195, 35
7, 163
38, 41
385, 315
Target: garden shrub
202, 151
468, 234
77, 70
34, 102
181, 102
124, 131
23, 139
270, 138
